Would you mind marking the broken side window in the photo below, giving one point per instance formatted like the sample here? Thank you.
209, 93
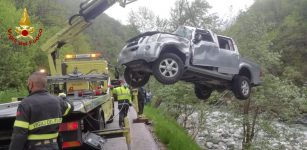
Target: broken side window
225, 43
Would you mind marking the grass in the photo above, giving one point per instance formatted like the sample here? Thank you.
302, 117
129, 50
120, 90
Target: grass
7, 95
169, 132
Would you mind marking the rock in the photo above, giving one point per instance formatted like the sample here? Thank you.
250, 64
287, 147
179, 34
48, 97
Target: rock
215, 146
227, 140
302, 120
231, 131
231, 144
201, 138
288, 147
219, 131
237, 135
204, 133
275, 145
226, 135
222, 146
297, 147
215, 141
295, 141
209, 144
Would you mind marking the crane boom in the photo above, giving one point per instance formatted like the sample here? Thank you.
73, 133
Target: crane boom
89, 10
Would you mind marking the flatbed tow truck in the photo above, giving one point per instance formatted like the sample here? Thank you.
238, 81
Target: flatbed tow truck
84, 79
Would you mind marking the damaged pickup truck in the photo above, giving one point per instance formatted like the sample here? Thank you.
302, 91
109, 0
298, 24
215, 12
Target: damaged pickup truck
199, 56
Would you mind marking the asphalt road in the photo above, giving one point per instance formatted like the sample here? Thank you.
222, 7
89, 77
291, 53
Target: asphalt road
141, 137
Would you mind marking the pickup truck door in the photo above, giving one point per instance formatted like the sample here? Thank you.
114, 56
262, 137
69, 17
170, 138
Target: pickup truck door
205, 50
219, 52
228, 59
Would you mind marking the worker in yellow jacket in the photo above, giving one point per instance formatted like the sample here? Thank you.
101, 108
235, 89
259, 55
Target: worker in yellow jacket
124, 101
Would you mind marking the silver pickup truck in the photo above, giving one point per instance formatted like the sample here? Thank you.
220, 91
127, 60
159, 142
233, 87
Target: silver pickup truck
209, 61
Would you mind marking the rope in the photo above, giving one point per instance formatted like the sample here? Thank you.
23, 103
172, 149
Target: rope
112, 117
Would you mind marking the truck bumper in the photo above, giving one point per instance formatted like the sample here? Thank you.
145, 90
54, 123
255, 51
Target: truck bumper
145, 52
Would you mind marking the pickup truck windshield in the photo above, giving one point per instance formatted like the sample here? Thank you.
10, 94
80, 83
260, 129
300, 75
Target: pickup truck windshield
184, 32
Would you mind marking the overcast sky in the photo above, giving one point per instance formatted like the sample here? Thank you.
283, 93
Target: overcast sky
224, 8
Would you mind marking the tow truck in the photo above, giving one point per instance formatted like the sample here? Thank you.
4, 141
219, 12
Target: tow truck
84, 78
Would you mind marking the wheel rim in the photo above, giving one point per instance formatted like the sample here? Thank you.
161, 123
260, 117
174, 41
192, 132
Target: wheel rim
168, 68
245, 88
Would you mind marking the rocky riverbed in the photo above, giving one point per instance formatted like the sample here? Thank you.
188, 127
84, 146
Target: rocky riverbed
222, 131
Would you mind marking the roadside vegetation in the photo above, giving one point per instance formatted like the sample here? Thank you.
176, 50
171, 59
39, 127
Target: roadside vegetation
7, 95
174, 136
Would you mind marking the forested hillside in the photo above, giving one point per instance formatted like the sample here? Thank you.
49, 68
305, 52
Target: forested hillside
274, 33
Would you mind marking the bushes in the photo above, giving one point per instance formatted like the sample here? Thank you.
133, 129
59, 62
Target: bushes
7, 95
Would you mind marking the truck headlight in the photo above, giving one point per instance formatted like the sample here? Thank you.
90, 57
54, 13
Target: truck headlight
152, 38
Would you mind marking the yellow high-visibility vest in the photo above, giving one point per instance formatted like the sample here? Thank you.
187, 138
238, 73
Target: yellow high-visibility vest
122, 93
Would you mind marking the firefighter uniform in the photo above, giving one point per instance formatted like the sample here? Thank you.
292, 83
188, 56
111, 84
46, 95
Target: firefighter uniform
124, 100
37, 121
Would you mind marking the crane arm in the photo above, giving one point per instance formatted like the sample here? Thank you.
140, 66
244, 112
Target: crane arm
89, 10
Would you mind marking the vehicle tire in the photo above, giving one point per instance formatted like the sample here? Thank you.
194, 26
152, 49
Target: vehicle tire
136, 78
241, 87
202, 92
168, 69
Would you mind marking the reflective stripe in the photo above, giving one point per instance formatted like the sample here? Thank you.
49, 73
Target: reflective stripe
21, 124
45, 123
42, 136
67, 110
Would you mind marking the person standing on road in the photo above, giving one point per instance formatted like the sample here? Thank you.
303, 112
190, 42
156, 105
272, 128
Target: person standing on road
38, 117
124, 101
141, 100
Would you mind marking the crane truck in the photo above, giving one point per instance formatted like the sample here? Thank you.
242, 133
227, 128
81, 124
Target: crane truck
84, 78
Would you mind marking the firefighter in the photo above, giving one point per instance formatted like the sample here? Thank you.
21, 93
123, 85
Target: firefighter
124, 101
38, 117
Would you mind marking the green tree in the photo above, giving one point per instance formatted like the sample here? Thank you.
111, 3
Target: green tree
145, 20
194, 13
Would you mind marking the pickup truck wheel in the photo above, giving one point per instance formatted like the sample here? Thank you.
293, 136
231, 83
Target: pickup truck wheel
136, 78
202, 92
241, 87
168, 69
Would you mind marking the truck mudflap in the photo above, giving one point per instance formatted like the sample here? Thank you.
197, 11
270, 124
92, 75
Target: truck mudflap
71, 136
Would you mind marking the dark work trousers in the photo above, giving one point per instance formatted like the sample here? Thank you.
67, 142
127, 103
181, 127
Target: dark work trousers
141, 106
123, 107
53, 146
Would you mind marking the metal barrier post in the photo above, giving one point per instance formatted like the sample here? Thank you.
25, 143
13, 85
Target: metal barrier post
127, 133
